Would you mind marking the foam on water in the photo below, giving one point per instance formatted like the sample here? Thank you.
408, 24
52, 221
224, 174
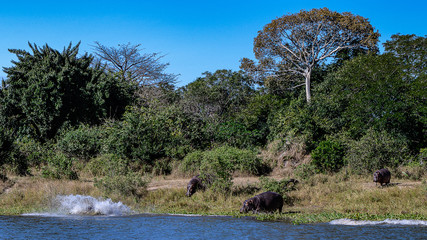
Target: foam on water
351, 222
85, 205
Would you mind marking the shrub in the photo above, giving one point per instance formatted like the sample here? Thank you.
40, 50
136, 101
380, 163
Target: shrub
191, 163
376, 150
328, 156
117, 176
6, 146
146, 135
10, 155
305, 171
237, 135
33, 151
219, 168
282, 186
220, 163
132, 183
162, 166
59, 166
106, 163
82, 143
415, 169
242, 160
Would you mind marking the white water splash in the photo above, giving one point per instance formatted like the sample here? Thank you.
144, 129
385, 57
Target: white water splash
351, 222
85, 205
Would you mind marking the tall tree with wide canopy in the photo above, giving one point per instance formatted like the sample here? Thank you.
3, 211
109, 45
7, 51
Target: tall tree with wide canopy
295, 43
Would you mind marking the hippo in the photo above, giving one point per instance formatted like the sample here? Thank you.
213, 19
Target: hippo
382, 176
266, 202
193, 185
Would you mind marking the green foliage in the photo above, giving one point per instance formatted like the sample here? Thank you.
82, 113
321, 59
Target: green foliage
47, 90
118, 177
305, 171
6, 146
59, 166
33, 151
192, 162
162, 166
411, 50
242, 160
237, 135
83, 142
132, 183
298, 119
374, 92
217, 95
219, 164
147, 134
376, 150
282, 186
10, 155
328, 156
103, 164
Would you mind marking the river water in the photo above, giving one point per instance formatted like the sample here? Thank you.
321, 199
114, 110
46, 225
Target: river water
69, 220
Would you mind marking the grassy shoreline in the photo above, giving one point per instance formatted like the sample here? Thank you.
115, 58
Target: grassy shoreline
323, 198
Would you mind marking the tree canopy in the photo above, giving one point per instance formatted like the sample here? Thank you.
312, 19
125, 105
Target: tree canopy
133, 65
47, 89
294, 44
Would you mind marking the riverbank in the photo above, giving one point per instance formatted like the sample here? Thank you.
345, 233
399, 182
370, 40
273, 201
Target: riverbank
322, 198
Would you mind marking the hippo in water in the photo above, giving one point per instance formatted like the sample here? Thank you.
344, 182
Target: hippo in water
193, 185
265, 202
382, 176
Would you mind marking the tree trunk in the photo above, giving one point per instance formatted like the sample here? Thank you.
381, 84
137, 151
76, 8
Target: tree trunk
307, 85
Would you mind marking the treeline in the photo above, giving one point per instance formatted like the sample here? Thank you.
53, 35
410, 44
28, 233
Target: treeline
116, 113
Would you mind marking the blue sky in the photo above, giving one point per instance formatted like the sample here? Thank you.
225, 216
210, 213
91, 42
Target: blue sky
196, 36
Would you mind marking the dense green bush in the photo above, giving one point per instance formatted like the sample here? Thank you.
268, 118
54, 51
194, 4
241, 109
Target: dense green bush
103, 164
328, 156
282, 186
132, 183
305, 171
245, 161
162, 166
59, 166
191, 163
218, 166
6, 146
46, 89
237, 135
83, 142
220, 163
376, 150
117, 176
147, 134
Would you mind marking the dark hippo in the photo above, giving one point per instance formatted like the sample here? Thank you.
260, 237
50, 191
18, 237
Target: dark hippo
193, 185
382, 176
265, 202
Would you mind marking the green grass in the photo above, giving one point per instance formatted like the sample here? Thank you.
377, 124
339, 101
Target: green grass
322, 198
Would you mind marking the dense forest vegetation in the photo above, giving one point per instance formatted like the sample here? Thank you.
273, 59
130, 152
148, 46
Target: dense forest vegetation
116, 114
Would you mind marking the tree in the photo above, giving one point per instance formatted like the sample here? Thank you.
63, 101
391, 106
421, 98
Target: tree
372, 91
294, 44
134, 66
412, 52
218, 94
47, 89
